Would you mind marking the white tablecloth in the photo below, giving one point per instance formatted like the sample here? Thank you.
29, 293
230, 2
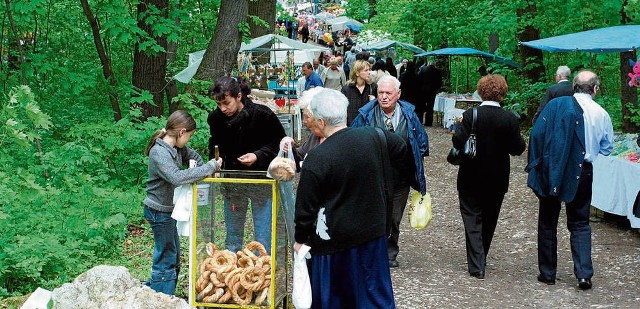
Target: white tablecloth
443, 104
447, 119
616, 183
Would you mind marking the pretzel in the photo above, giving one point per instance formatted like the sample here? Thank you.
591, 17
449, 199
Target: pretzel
252, 278
227, 277
240, 295
211, 248
262, 296
256, 245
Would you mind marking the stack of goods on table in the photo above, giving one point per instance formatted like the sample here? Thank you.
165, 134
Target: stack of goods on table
625, 146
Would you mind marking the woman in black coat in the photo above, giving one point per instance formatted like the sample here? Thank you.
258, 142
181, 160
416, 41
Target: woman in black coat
483, 180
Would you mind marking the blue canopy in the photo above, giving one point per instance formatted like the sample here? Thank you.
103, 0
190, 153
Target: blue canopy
386, 44
466, 51
603, 40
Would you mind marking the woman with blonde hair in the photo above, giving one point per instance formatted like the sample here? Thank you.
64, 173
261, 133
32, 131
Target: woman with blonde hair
359, 90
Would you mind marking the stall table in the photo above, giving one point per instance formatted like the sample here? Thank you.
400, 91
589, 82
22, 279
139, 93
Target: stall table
616, 183
448, 106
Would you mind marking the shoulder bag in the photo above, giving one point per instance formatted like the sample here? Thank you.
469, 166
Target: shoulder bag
456, 157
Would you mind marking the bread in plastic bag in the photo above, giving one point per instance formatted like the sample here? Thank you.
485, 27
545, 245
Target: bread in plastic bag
283, 167
420, 210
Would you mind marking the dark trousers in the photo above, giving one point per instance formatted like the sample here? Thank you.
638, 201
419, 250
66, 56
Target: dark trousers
480, 213
428, 115
577, 224
400, 195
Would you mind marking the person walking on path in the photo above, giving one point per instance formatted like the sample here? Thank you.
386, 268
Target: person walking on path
341, 210
484, 180
561, 88
359, 90
431, 78
565, 141
333, 77
167, 154
390, 113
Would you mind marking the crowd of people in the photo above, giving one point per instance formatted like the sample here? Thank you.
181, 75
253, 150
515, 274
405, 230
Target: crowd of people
347, 208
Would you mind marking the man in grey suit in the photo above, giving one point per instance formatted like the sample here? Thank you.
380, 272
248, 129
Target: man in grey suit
562, 88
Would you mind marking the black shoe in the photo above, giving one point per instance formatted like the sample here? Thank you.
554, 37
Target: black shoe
478, 274
545, 280
393, 263
584, 284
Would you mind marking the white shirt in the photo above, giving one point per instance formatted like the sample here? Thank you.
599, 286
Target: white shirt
598, 129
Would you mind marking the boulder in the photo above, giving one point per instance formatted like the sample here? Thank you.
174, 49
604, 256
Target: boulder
112, 287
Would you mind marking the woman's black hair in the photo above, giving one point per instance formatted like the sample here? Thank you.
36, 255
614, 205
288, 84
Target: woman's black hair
231, 86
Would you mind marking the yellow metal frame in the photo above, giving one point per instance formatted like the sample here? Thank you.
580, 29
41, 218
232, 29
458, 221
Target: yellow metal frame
193, 243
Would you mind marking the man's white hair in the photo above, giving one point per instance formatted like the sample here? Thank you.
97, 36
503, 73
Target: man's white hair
563, 71
389, 79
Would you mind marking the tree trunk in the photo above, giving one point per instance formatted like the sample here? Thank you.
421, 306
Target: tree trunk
150, 68
628, 95
107, 72
265, 10
172, 49
531, 58
222, 52
15, 62
372, 9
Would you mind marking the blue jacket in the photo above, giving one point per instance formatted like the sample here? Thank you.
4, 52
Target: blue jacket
313, 80
417, 136
557, 149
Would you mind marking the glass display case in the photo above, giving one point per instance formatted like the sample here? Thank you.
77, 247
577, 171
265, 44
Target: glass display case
238, 244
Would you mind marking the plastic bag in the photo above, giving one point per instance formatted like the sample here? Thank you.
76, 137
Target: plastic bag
301, 293
420, 210
182, 201
283, 167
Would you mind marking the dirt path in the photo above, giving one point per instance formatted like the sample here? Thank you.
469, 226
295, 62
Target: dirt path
433, 271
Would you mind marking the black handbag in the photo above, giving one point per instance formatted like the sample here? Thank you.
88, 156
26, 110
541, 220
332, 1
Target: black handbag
456, 157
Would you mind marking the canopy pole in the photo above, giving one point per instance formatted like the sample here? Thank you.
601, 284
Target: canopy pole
467, 73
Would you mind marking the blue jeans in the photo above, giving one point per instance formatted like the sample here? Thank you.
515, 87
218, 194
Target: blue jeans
166, 253
235, 215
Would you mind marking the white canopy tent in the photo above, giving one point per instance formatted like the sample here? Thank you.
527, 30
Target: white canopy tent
343, 22
276, 45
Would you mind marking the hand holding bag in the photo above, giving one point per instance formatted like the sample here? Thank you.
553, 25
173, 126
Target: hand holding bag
301, 293
456, 157
420, 210
283, 166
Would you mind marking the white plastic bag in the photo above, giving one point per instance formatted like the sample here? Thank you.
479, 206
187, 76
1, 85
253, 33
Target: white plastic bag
301, 294
283, 167
182, 201
420, 210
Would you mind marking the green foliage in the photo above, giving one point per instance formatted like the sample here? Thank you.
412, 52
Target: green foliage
21, 118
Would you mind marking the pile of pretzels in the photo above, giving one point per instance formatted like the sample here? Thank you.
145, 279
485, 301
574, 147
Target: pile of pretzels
227, 277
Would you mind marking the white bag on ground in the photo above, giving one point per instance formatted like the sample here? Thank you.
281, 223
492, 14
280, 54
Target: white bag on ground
301, 294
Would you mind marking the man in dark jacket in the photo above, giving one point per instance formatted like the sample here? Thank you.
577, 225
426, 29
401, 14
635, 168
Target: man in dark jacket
568, 136
431, 79
561, 88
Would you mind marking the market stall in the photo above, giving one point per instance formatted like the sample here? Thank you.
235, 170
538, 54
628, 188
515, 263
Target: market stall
254, 276
449, 106
616, 179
